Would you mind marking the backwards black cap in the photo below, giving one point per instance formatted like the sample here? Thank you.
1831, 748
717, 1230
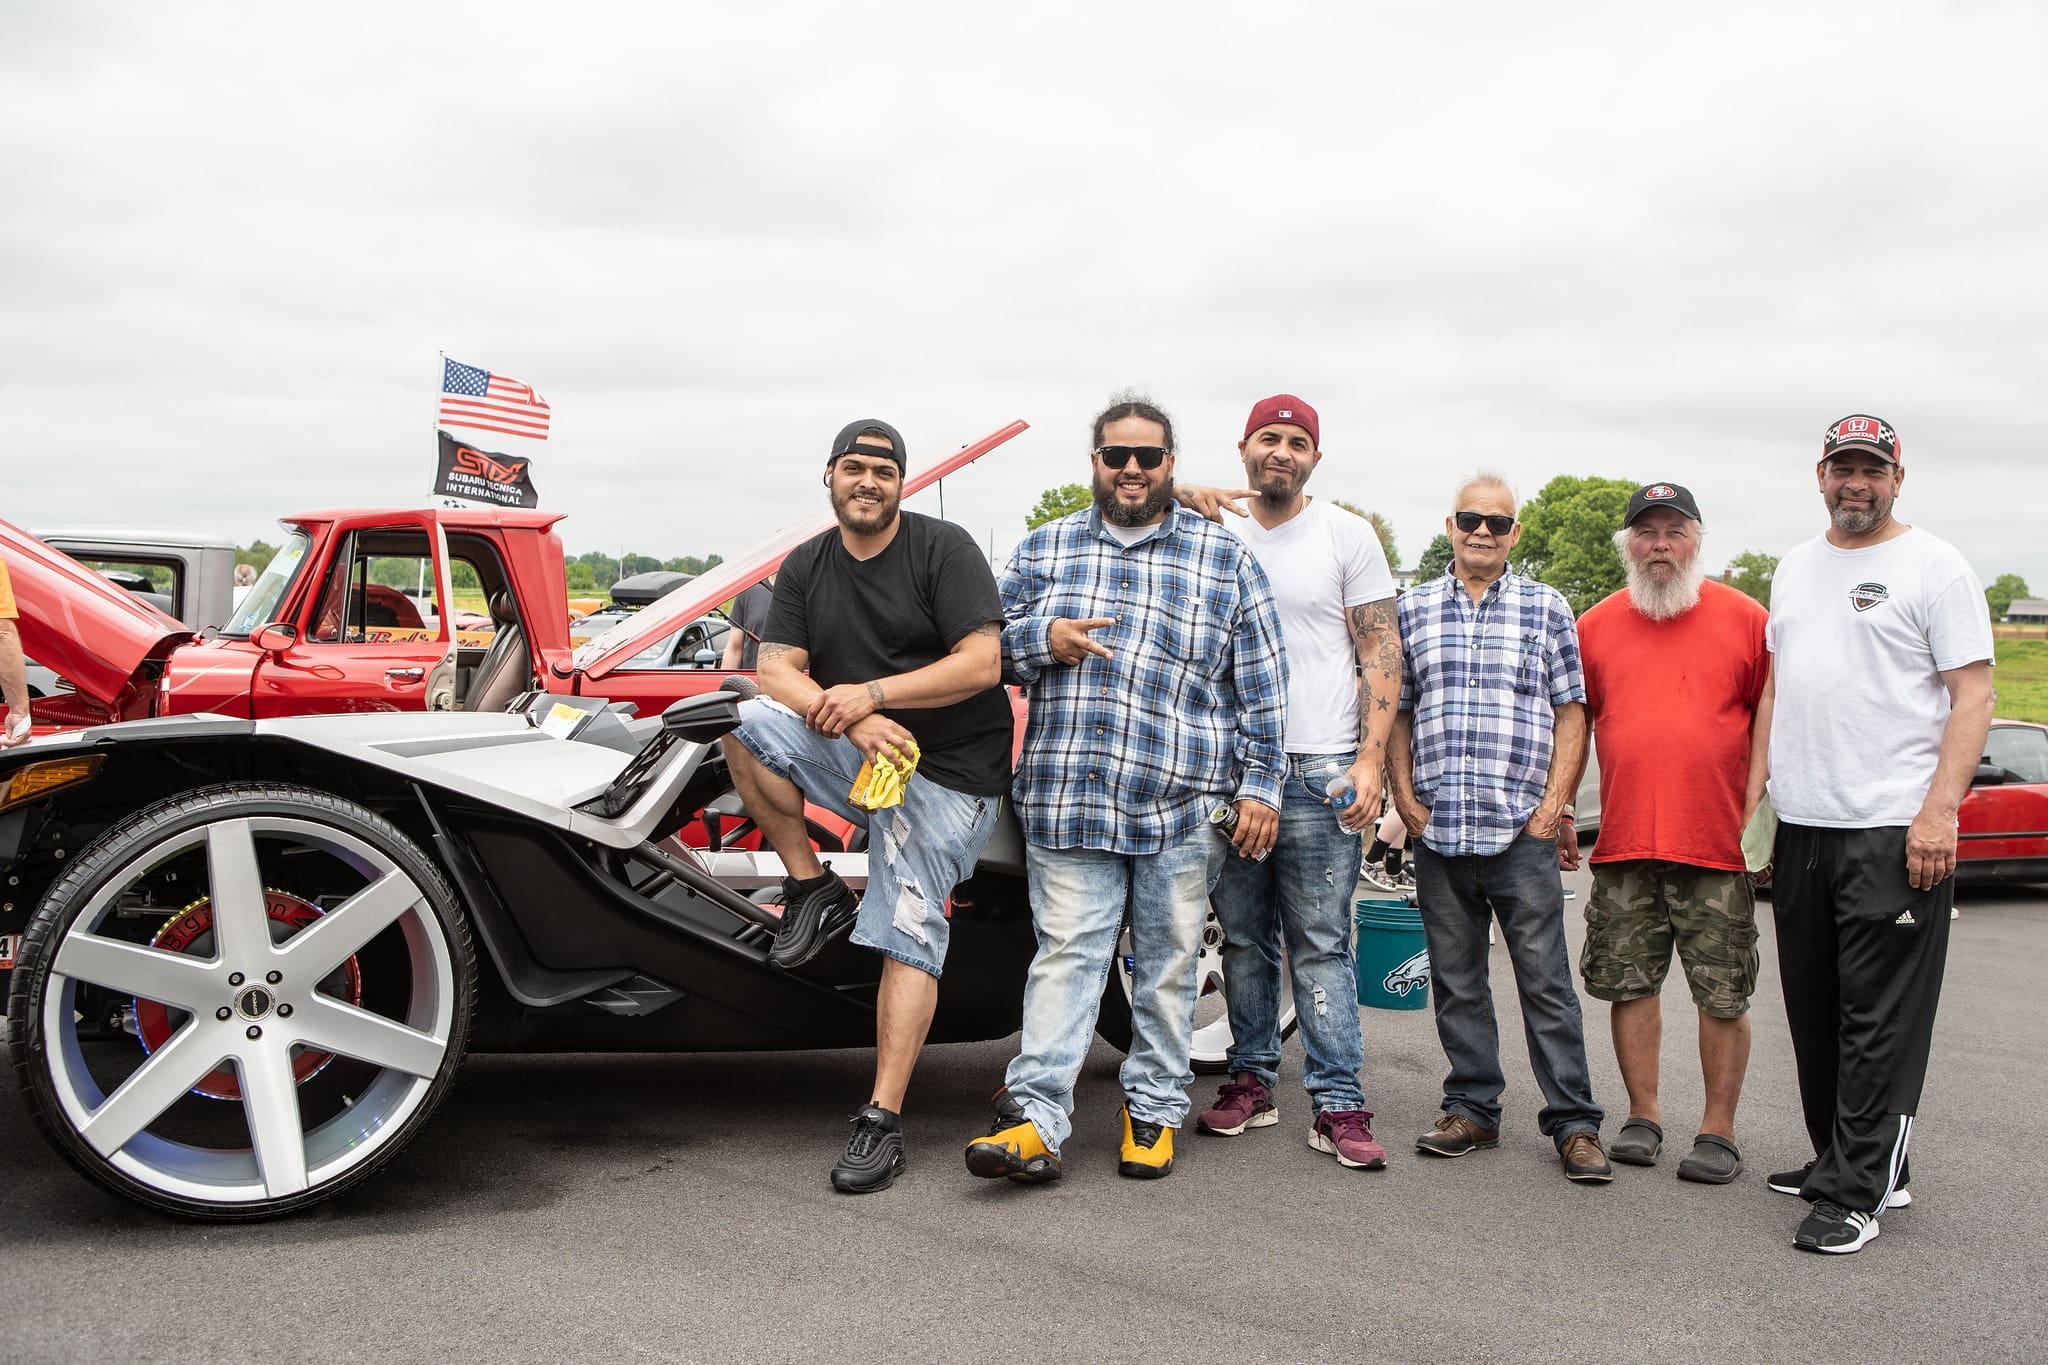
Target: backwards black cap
847, 442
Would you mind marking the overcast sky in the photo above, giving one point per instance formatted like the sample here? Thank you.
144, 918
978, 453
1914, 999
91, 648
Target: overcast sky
1642, 241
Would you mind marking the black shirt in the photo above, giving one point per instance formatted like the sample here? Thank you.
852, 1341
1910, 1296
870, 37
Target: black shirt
749, 617
905, 608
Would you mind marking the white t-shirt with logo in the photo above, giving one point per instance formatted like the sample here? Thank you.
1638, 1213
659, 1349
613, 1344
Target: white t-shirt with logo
1319, 562
1859, 640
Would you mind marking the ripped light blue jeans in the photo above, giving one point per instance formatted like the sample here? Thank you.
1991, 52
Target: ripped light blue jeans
1301, 898
1077, 907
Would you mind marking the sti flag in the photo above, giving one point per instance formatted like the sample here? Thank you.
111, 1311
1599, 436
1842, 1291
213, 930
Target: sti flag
483, 477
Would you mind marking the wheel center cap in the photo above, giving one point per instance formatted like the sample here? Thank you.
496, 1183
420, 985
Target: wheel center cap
254, 1003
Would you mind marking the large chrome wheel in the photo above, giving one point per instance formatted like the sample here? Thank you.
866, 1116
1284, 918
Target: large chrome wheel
1212, 1001
241, 1001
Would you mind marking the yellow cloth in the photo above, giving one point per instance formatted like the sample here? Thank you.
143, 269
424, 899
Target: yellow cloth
7, 611
880, 782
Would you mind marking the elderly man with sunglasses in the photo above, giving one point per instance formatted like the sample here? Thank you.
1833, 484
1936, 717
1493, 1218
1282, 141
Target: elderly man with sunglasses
1151, 646
1488, 740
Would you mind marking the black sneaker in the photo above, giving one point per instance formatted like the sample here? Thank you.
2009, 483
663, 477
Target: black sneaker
812, 918
874, 1154
1792, 1182
1834, 1229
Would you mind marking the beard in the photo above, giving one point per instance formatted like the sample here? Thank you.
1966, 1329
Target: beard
1118, 513
1277, 492
864, 518
1856, 521
1669, 598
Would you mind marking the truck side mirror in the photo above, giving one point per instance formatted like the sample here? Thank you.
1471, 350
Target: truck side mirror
275, 637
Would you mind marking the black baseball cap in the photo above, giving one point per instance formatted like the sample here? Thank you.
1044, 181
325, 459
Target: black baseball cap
1861, 431
1675, 496
847, 442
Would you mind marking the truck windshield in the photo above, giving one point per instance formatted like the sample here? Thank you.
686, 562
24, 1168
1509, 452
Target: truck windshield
259, 604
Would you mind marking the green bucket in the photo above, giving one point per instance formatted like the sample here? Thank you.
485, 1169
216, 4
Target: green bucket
1393, 957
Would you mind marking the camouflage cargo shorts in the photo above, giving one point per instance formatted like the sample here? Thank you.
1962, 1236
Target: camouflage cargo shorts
1640, 910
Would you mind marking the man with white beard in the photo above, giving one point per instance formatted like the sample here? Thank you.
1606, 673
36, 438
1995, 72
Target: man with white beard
1675, 666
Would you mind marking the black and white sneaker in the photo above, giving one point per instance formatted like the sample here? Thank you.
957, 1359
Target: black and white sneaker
1792, 1182
1834, 1229
874, 1153
814, 913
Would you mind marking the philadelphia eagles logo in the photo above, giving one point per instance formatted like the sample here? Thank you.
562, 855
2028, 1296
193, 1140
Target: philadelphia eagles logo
1864, 596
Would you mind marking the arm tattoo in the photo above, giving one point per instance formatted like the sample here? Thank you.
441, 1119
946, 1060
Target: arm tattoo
771, 650
1373, 626
875, 694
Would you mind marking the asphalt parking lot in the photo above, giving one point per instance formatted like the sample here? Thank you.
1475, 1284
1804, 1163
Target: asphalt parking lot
676, 1208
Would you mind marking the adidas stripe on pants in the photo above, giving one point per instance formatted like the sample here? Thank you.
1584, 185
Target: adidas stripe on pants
1860, 953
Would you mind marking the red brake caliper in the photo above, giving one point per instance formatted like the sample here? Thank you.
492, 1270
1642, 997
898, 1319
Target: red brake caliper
191, 931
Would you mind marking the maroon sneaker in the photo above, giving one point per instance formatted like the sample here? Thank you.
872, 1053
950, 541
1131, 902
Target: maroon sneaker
1347, 1135
1243, 1103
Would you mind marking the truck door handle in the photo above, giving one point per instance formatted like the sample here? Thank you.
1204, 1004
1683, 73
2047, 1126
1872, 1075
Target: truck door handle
405, 674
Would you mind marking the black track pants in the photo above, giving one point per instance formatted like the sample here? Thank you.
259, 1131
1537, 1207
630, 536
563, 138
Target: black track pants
1861, 955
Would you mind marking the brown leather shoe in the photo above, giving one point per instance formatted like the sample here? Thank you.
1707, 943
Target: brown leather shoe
1584, 1160
1455, 1135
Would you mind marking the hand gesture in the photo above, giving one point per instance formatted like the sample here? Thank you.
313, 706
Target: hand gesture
1205, 501
1070, 642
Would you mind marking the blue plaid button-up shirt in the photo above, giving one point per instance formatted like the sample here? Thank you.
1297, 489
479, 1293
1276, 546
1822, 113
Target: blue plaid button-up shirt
1128, 754
1483, 680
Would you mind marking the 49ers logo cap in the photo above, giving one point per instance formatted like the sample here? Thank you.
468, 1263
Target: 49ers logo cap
1675, 496
1861, 431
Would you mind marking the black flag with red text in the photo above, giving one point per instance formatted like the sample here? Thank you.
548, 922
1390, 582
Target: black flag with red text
483, 476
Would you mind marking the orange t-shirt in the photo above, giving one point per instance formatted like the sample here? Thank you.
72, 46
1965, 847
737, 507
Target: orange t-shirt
7, 611
1672, 703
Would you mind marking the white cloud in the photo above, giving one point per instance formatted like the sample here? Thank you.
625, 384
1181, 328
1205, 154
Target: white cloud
1617, 239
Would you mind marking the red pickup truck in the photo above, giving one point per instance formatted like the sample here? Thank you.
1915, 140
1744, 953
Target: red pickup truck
355, 613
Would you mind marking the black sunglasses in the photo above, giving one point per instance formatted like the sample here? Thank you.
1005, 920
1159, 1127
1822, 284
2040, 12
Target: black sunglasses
1468, 522
1116, 457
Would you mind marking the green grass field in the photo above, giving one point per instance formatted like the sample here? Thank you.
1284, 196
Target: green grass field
2021, 675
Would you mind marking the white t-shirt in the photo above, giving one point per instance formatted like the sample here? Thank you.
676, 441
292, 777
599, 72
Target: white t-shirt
1320, 561
1859, 640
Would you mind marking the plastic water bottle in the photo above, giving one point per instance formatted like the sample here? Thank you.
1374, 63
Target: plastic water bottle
1337, 785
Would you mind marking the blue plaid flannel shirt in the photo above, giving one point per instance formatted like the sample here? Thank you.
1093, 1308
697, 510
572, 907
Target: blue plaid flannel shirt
1484, 680
1128, 754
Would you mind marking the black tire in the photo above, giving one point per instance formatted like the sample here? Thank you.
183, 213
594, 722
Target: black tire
424, 946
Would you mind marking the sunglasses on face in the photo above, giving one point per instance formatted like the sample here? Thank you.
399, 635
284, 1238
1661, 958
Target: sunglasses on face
1116, 457
1468, 522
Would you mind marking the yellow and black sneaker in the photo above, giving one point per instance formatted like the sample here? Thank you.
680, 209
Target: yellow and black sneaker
1014, 1149
1147, 1150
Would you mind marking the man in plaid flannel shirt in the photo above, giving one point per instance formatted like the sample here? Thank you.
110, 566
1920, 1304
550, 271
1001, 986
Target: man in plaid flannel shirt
1487, 743
1150, 644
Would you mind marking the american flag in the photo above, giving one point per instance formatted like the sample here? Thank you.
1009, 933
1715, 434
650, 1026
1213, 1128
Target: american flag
483, 401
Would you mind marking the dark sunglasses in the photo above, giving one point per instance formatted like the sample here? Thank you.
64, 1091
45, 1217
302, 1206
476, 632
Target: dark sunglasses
1116, 457
1468, 522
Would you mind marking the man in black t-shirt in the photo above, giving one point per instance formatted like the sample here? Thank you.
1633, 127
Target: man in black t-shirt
749, 617
896, 619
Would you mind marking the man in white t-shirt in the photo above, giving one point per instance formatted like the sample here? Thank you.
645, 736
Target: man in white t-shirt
1335, 596
1876, 711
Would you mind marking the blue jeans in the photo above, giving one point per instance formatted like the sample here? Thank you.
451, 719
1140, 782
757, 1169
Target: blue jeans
917, 851
1520, 886
1077, 907
1301, 895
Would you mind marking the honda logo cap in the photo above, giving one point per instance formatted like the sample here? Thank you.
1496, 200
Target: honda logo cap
847, 442
1675, 496
1861, 431
1285, 407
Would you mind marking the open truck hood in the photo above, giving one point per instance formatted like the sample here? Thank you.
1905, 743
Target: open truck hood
80, 626
600, 655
